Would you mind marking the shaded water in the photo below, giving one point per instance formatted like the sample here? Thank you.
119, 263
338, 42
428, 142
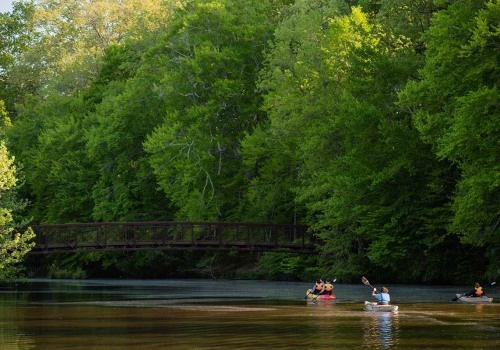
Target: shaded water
207, 314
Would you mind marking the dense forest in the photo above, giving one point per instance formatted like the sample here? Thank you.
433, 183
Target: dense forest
374, 122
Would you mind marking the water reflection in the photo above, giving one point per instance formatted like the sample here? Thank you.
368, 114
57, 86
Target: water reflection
479, 307
380, 329
12, 334
323, 304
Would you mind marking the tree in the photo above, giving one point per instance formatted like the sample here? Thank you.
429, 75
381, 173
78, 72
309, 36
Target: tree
16, 36
61, 176
84, 29
124, 112
52, 128
455, 106
273, 151
372, 190
55, 46
210, 58
13, 244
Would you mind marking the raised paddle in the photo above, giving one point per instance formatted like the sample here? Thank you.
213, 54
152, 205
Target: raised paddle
366, 282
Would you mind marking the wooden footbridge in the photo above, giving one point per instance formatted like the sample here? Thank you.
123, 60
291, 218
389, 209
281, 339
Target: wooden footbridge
171, 235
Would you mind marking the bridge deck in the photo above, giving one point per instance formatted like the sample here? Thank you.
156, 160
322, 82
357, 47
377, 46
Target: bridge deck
171, 235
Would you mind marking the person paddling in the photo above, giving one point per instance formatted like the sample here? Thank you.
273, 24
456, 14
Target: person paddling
383, 297
328, 289
318, 288
476, 292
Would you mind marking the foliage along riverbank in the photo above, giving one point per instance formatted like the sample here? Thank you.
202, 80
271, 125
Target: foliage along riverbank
211, 265
376, 123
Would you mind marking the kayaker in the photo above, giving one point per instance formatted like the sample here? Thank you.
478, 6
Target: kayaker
328, 288
383, 297
476, 292
319, 287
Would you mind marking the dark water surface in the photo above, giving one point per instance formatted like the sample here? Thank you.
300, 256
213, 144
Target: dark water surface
209, 314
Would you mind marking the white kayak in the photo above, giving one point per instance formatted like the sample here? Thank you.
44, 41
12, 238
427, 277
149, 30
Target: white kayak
474, 300
369, 306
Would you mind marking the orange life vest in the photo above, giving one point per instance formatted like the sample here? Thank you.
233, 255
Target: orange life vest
328, 287
319, 286
479, 291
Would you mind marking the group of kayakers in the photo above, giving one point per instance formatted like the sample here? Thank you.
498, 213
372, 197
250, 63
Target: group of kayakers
383, 297
326, 288
322, 288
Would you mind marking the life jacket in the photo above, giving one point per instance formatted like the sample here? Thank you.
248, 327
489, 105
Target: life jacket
319, 286
479, 291
384, 298
328, 287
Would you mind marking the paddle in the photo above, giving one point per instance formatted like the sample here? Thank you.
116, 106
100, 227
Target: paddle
366, 282
308, 293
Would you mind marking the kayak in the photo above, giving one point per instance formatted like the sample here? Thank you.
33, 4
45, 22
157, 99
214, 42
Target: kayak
474, 300
311, 296
369, 306
321, 297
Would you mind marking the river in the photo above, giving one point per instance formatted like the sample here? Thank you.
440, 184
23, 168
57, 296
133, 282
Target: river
221, 314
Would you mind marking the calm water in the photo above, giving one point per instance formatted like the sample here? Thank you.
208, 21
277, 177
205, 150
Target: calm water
207, 314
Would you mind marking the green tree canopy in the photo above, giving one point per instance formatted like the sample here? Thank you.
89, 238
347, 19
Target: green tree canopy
455, 104
211, 58
13, 244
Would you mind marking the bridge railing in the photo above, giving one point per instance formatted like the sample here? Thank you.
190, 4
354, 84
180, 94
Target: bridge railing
164, 235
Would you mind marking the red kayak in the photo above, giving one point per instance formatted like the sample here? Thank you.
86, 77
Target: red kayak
311, 296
